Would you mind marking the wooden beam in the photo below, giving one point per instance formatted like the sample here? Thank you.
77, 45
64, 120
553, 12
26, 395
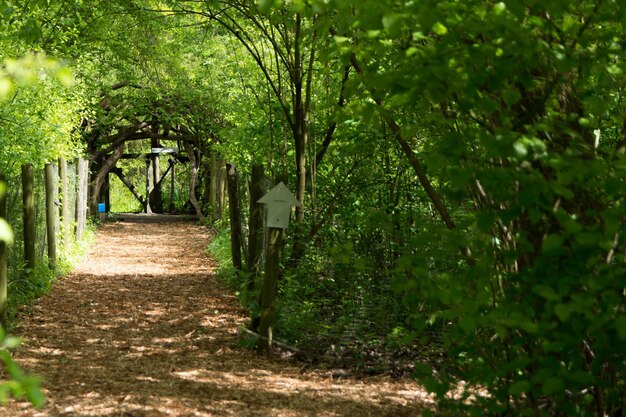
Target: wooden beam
178, 157
165, 174
134, 155
120, 174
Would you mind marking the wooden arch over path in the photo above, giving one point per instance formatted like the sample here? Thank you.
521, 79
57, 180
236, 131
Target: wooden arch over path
108, 133
154, 179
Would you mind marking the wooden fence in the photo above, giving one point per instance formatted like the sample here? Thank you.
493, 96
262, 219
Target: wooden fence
58, 194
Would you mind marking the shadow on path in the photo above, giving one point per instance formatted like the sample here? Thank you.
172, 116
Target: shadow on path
141, 328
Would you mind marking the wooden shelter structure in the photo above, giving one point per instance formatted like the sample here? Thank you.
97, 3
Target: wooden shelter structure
151, 200
123, 118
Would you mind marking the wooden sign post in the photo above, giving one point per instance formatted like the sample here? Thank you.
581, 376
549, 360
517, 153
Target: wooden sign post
279, 201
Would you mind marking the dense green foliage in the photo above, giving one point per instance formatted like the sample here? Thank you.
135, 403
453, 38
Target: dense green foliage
460, 164
38, 119
510, 113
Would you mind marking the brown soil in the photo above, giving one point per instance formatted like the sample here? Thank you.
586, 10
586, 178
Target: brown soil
141, 328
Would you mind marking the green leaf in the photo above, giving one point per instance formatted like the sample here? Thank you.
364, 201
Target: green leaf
529, 327
553, 385
440, 29
620, 325
520, 149
562, 190
65, 76
431, 384
499, 8
552, 244
34, 393
546, 292
10, 342
391, 22
511, 96
265, 6
467, 323
562, 311
519, 387
582, 377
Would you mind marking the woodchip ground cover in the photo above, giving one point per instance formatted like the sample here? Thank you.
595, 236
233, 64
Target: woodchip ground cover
142, 328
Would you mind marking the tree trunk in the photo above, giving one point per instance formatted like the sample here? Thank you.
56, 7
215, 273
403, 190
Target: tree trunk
105, 191
100, 177
255, 223
302, 105
193, 180
300, 134
235, 216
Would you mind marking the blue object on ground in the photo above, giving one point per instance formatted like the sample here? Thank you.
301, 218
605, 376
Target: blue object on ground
102, 208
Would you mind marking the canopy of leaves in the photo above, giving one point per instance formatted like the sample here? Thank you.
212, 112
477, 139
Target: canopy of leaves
463, 163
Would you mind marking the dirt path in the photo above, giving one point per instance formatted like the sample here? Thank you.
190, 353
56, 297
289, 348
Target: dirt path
142, 329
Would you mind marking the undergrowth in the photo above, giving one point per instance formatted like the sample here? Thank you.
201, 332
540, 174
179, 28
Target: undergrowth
219, 249
334, 308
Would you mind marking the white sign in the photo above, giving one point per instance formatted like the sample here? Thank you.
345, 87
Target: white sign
279, 201
164, 150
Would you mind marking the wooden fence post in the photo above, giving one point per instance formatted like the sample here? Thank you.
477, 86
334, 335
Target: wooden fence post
66, 221
28, 199
235, 216
213, 187
3, 257
194, 166
217, 199
255, 222
51, 211
82, 179
221, 187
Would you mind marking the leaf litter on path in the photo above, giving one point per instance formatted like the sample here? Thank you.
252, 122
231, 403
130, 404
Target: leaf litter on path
142, 328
